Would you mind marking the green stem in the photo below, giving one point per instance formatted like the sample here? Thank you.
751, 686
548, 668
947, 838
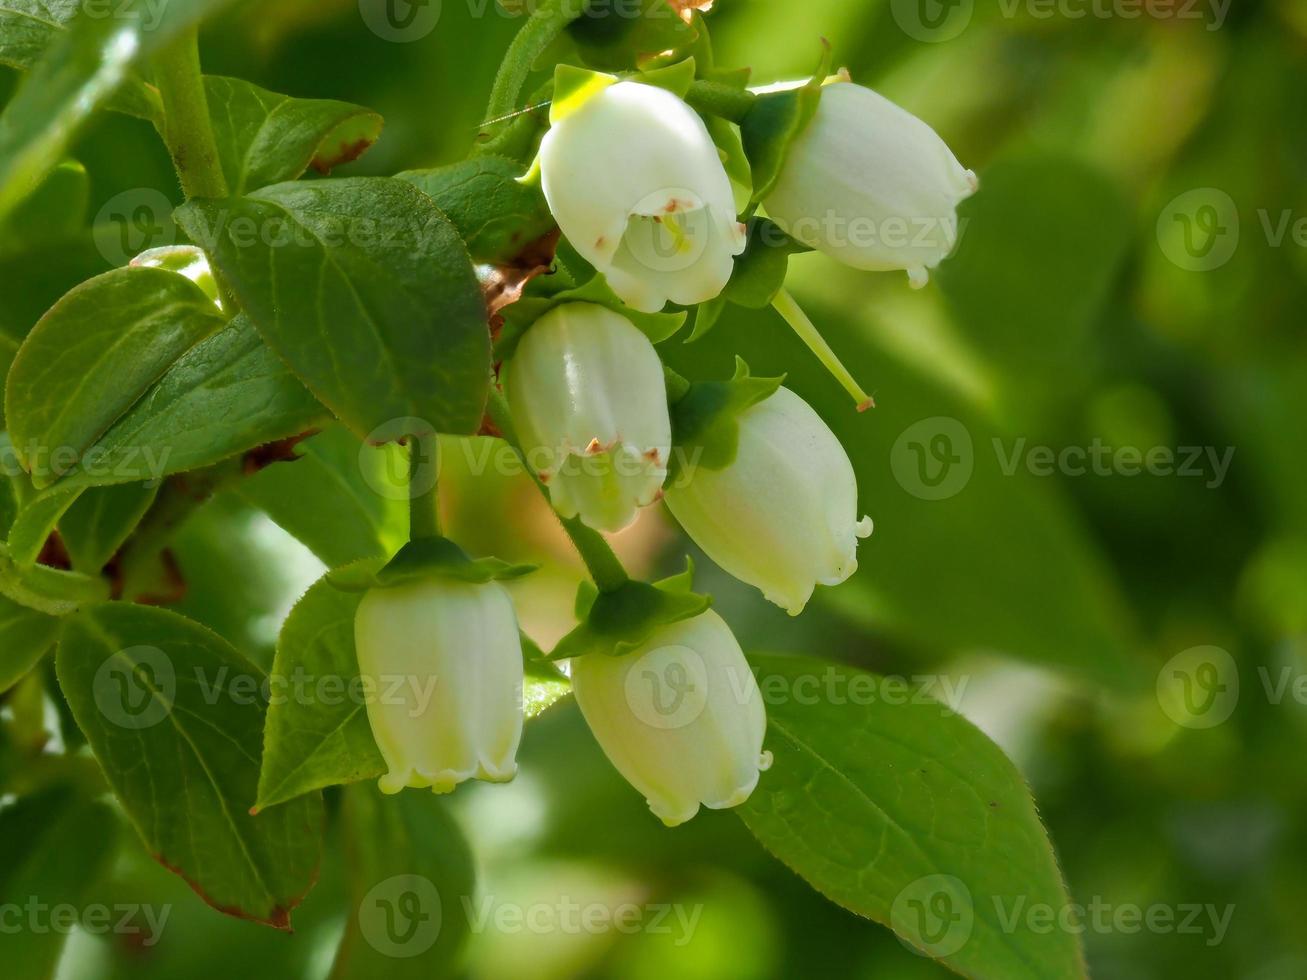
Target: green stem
717, 99
423, 481
604, 566
547, 21
187, 128
808, 333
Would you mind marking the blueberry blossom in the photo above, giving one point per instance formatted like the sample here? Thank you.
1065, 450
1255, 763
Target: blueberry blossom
442, 662
587, 394
638, 187
680, 717
783, 516
871, 185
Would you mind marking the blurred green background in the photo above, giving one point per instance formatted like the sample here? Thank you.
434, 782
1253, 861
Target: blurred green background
1076, 313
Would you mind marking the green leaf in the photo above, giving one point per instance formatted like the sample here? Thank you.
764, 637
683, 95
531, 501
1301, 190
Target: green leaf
101, 520
497, 214
174, 715
412, 880
55, 210
37, 517
313, 742
25, 637
266, 138
48, 590
225, 396
96, 352
28, 28
776, 121
366, 291
906, 814
53, 847
343, 500
79, 72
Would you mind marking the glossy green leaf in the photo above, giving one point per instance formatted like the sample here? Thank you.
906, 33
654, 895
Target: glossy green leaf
175, 716
412, 881
29, 28
101, 520
37, 517
345, 501
366, 291
225, 396
316, 741
497, 215
25, 637
906, 814
266, 138
96, 352
79, 72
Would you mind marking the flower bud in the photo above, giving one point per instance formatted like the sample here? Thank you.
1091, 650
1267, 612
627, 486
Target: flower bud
588, 396
681, 717
442, 663
783, 515
637, 186
871, 185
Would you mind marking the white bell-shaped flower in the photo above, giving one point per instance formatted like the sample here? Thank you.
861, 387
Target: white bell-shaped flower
637, 186
783, 516
681, 717
589, 398
441, 661
871, 185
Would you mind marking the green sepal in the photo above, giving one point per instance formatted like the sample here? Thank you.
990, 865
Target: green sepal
620, 621
519, 317
706, 317
776, 120
425, 558
675, 78
759, 274
48, 590
573, 88
706, 422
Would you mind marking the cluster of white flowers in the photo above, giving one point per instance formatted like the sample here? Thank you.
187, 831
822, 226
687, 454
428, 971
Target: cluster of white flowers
639, 189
